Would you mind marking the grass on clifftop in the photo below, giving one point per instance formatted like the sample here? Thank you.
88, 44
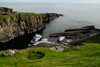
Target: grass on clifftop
27, 14
87, 55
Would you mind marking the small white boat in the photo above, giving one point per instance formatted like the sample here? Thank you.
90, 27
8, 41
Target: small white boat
36, 38
61, 38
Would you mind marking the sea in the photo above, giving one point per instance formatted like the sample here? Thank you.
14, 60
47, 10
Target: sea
76, 15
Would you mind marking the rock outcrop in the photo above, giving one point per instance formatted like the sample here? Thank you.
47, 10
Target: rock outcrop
78, 35
6, 11
12, 26
49, 16
52, 45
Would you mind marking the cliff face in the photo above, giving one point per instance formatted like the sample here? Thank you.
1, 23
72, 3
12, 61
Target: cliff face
12, 26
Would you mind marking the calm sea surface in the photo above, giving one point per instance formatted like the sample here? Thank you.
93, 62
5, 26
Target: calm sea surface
75, 15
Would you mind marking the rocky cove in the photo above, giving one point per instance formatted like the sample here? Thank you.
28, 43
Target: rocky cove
17, 27
16, 30
74, 37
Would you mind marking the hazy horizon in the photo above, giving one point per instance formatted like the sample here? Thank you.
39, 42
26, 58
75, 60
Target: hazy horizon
51, 1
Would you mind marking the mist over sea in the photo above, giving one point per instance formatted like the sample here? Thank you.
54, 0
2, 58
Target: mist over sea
75, 15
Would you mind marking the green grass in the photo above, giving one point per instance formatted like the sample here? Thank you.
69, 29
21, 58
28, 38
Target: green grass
87, 55
7, 16
25, 14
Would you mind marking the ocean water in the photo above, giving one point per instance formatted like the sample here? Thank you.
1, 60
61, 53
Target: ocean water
75, 15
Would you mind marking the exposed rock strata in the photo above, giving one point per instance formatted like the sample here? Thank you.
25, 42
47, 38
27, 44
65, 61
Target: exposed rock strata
78, 35
12, 26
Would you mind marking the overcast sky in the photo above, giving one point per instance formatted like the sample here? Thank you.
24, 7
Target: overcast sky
49, 1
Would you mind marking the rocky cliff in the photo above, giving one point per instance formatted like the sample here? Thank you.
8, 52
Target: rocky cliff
6, 11
12, 26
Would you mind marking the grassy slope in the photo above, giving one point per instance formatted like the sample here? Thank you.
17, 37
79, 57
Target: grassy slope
87, 55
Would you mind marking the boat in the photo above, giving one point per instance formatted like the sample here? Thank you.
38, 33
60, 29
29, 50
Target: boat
36, 38
61, 38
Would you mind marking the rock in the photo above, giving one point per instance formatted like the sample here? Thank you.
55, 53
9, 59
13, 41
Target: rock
84, 31
12, 26
49, 16
9, 52
58, 48
81, 30
61, 34
78, 35
61, 15
69, 40
45, 39
52, 45
88, 27
6, 11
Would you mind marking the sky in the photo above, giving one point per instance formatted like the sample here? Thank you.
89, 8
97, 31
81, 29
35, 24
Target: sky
49, 1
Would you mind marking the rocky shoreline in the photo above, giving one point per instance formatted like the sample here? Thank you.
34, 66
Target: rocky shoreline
18, 24
78, 34
14, 26
77, 37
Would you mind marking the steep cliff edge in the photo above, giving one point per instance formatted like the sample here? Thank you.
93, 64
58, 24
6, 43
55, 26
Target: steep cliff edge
12, 26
